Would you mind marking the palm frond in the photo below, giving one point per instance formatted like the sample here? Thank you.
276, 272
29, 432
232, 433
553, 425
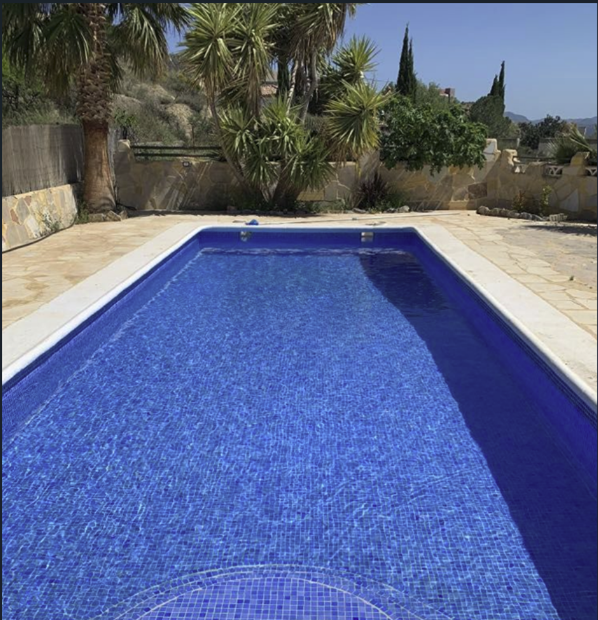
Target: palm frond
209, 45
352, 121
254, 50
356, 59
23, 32
140, 40
168, 14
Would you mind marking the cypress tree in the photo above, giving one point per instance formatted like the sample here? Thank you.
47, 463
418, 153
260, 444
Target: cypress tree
412, 76
502, 89
403, 81
495, 87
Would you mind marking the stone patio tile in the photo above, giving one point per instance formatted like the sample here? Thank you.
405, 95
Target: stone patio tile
564, 304
582, 294
583, 317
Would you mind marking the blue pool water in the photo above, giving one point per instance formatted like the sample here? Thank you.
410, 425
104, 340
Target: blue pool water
334, 407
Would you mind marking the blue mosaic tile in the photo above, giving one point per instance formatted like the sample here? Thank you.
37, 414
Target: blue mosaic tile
272, 593
357, 411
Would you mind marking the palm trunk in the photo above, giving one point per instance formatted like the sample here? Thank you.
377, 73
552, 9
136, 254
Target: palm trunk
99, 192
94, 108
314, 82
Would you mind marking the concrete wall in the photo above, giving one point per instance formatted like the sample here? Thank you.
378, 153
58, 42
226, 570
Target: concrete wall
200, 185
31, 216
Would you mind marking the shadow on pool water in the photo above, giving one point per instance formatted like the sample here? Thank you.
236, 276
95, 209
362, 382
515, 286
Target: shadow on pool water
548, 499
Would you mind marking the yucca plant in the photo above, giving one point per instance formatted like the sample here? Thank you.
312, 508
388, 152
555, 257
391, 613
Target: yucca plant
353, 121
230, 50
83, 45
348, 67
570, 142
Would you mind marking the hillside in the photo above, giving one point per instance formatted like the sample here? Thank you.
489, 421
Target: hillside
170, 111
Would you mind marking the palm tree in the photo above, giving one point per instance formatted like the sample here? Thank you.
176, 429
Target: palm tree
230, 50
85, 45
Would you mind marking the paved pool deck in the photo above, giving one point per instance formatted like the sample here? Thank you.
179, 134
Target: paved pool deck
557, 262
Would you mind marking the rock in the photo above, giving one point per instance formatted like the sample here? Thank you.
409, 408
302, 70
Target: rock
359, 211
232, 211
96, 217
111, 216
484, 211
514, 215
558, 217
526, 216
182, 115
538, 218
123, 214
404, 209
505, 213
127, 104
495, 212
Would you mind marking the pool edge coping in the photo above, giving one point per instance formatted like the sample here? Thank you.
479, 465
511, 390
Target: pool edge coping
74, 307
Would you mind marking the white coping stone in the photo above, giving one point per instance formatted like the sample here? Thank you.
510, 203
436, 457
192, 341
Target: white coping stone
567, 348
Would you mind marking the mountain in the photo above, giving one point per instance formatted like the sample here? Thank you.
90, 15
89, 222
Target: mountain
580, 122
517, 118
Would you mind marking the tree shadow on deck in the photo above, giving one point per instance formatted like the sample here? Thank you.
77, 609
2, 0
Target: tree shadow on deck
573, 229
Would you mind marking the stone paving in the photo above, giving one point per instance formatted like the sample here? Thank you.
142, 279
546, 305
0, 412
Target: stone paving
558, 262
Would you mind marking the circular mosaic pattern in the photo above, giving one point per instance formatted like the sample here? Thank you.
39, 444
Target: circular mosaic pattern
267, 599
272, 593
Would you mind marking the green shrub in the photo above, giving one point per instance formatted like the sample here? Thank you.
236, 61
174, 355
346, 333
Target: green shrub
420, 136
371, 192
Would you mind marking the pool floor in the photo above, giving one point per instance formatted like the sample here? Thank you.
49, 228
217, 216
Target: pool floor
329, 410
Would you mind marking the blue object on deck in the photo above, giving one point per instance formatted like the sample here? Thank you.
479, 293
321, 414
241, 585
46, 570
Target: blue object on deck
253, 223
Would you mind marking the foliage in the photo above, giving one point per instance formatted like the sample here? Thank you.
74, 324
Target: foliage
84, 46
421, 136
490, 111
525, 202
570, 142
55, 38
407, 81
429, 94
272, 150
25, 101
533, 133
349, 67
353, 121
498, 85
371, 192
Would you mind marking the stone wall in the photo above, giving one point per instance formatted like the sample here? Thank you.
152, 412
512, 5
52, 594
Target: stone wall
29, 217
180, 184
574, 187
172, 185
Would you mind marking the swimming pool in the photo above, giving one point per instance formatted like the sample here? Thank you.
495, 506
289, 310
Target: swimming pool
272, 408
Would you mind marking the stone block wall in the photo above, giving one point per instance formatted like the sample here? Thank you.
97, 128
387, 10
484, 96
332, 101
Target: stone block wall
29, 217
574, 187
177, 185
173, 185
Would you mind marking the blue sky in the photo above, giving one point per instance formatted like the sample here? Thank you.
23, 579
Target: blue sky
550, 50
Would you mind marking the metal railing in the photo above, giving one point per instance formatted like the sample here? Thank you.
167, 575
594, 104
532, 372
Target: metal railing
150, 151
